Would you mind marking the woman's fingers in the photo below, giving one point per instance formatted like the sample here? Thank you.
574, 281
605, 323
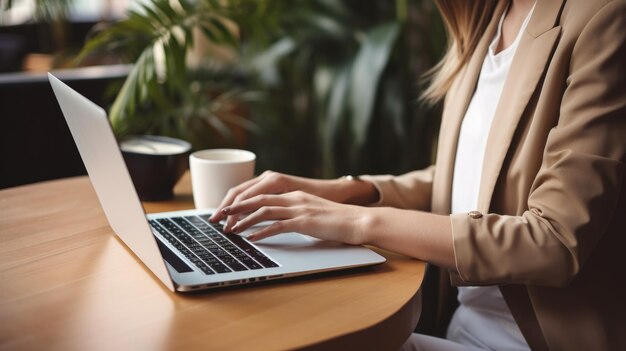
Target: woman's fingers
262, 187
267, 183
288, 225
232, 193
253, 204
268, 213
256, 201
270, 207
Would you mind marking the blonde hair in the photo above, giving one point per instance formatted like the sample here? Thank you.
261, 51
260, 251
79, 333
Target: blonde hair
465, 22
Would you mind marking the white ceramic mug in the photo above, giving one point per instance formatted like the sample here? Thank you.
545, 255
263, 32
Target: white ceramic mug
214, 171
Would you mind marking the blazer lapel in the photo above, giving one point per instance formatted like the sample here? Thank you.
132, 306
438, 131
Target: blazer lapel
456, 103
528, 66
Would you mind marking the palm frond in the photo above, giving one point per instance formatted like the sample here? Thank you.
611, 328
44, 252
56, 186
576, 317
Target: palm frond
156, 37
50, 11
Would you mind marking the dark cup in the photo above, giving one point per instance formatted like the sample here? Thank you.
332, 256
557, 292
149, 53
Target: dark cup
155, 164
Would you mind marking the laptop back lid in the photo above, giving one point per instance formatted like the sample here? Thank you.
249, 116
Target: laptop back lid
109, 176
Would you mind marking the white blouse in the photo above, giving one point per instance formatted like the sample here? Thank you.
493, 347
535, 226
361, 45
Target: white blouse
483, 319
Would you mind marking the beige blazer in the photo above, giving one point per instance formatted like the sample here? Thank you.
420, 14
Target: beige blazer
551, 223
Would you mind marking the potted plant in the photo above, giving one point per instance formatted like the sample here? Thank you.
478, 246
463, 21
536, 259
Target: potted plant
346, 75
169, 92
339, 79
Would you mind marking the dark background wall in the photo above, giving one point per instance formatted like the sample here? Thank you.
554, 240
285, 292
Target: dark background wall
35, 142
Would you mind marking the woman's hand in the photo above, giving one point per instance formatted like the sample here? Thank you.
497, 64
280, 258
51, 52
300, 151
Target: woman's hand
337, 190
417, 234
301, 212
267, 183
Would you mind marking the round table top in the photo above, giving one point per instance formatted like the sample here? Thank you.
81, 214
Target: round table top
68, 283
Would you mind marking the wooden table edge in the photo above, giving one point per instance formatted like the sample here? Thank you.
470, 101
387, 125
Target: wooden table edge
379, 334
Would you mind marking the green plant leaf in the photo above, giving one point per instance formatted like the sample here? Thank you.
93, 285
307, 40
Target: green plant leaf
326, 25
369, 64
266, 62
225, 35
216, 123
335, 110
165, 8
393, 105
242, 122
335, 8
125, 95
154, 16
337, 101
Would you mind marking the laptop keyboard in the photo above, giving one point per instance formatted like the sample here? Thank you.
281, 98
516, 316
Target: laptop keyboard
208, 247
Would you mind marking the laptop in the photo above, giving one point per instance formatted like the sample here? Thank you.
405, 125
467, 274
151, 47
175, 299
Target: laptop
182, 249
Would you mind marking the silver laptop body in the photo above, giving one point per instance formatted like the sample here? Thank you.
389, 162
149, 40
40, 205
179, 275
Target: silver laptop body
170, 258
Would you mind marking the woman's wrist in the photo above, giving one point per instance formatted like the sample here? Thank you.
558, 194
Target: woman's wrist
365, 226
347, 190
422, 235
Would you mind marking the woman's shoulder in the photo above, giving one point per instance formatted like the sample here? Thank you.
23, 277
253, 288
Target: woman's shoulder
582, 21
577, 14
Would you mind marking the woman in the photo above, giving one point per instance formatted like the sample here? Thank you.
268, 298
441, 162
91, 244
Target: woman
526, 204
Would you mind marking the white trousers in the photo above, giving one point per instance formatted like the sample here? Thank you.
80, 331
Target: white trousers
421, 342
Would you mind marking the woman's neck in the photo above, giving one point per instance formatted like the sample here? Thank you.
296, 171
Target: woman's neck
517, 12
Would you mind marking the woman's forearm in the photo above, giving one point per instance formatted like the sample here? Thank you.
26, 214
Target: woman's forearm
422, 235
342, 190
417, 234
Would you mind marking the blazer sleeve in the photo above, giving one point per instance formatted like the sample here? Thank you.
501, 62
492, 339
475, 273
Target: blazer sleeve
578, 186
412, 190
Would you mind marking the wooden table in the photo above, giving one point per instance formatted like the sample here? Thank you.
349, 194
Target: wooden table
67, 283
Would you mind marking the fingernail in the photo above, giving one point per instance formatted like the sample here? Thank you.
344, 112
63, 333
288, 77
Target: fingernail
251, 237
235, 229
226, 210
